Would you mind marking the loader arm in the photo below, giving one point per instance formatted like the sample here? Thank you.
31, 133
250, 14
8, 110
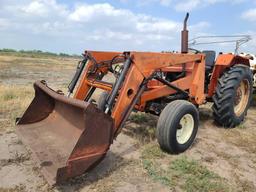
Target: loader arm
98, 61
136, 86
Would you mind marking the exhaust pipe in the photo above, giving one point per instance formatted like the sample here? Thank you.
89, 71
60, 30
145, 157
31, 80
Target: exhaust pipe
184, 36
184, 45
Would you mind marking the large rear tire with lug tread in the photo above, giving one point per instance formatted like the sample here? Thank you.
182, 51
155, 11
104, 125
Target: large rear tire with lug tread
233, 96
177, 126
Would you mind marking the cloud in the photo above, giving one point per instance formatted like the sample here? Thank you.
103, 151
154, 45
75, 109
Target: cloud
86, 12
35, 8
49, 25
181, 5
250, 15
4, 24
165, 3
158, 26
43, 8
189, 5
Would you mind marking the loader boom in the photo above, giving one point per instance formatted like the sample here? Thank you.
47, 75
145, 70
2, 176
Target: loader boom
143, 69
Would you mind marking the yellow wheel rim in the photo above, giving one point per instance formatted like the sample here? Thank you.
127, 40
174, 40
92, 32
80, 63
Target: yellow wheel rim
185, 130
241, 97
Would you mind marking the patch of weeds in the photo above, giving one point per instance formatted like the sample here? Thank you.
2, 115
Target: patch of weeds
181, 172
9, 96
144, 134
241, 126
143, 119
152, 151
138, 118
194, 184
150, 154
156, 173
185, 166
196, 176
142, 127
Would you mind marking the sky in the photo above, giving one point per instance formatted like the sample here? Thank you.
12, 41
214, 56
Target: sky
72, 26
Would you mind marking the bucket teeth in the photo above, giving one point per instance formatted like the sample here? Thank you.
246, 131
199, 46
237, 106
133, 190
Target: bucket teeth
66, 136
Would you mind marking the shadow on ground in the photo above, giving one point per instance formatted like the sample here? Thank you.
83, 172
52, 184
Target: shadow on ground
141, 126
110, 164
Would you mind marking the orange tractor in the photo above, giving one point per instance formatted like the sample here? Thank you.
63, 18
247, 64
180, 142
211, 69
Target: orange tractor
69, 135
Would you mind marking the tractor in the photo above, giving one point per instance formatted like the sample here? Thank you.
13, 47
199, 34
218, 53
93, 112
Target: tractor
70, 134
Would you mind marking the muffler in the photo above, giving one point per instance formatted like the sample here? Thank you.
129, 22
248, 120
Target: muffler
66, 136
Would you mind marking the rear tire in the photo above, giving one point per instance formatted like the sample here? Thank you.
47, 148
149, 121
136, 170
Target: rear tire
233, 96
177, 126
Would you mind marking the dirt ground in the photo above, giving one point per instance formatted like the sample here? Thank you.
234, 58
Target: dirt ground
219, 160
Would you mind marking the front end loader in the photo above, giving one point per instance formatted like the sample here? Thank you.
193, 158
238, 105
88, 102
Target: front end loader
71, 134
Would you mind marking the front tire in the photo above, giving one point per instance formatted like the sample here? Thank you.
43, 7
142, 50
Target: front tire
177, 126
103, 100
233, 96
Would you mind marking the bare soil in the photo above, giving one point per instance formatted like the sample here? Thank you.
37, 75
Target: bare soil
228, 153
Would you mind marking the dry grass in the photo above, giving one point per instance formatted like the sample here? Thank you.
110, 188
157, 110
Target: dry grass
37, 62
16, 70
17, 75
18, 188
14, 100
242, 138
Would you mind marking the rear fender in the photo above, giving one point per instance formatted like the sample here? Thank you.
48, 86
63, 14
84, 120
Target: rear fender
224, 62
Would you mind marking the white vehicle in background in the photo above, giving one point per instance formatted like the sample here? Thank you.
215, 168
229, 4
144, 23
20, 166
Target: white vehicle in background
252, 58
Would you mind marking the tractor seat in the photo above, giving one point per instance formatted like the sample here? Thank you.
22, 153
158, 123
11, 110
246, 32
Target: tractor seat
209, 59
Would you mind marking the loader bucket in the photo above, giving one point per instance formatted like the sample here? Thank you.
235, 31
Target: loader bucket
66, 136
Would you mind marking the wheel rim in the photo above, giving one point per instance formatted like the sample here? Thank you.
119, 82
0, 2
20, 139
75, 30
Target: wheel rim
185, 130
242, 97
